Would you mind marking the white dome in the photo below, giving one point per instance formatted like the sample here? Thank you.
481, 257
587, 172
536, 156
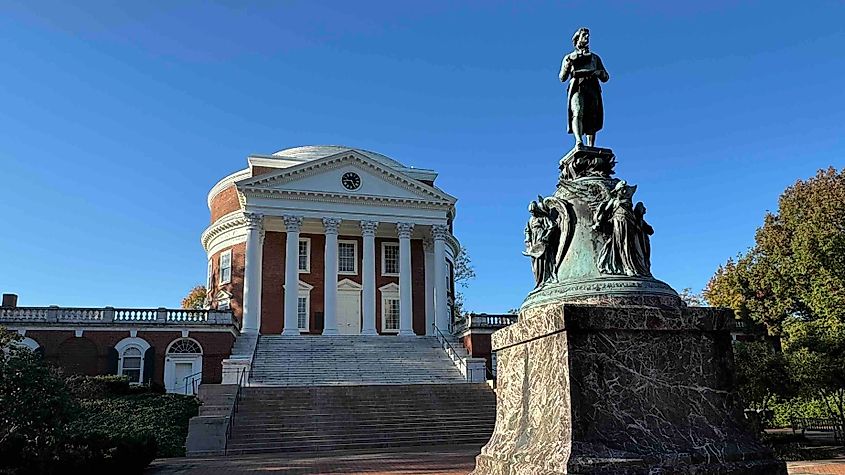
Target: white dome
314, 152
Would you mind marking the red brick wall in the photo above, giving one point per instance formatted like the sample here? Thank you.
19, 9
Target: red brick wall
62, 348
236, 283
224, 203
262, 170
273, 278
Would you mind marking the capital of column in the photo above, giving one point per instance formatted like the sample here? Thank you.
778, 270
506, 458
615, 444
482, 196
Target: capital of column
404, 230
292, 223
428, 245
368, 228
331, 225
439, 232
253, 221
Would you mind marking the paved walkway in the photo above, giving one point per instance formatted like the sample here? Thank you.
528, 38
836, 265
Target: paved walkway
426, 460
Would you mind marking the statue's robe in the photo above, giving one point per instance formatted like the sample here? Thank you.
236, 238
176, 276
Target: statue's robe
588, 88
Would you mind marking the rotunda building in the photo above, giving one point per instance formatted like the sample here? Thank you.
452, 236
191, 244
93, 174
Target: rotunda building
331, 240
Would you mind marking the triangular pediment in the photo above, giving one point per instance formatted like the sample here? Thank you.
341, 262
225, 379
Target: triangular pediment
369, 179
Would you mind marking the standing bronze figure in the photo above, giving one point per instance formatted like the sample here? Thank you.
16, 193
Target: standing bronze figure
541, 242
623, 252
585, 112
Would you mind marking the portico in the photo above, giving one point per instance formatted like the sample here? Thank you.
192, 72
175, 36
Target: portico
365, 241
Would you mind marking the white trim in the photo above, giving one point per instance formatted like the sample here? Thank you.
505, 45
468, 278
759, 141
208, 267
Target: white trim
384, 273
132, 343
170, 345
349, 285
389, 292
28, 342
355, 256
307, 241
307, 296
209, 275
220, 267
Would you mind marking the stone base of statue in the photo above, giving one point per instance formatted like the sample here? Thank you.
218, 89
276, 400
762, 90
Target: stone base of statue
637, 385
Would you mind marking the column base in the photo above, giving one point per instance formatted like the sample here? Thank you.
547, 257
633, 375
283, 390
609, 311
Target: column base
369, 332
330, 332
287, 332
406, 333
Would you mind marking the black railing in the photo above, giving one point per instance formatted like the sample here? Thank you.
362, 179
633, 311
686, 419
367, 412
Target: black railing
192, 379
235, 404
449, 349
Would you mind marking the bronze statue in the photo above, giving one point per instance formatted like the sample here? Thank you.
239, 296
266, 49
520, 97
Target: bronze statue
623, 252
585, 111
541, 242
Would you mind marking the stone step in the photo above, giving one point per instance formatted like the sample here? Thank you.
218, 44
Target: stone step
236, 449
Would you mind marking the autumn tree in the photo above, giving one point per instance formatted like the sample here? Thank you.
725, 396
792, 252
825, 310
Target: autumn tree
793, 281
195, 298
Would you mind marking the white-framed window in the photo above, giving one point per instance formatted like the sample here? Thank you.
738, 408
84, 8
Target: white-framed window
209, 275
390, 258
390, 313
224, 304
226, 267
304, 255
302, 311
389, 308
347, 257
130, 358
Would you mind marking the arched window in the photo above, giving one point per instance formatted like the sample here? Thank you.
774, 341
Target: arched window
130, 358
131, 364
183, 346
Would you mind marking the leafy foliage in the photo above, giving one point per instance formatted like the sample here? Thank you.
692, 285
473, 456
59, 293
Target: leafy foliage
464, 272
196, 298
98, 424
691, 298
761, 373
793, 281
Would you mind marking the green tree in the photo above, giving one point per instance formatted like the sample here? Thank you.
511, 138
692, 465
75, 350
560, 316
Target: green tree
34, 406
464, 272
195, 298
691, 298
761, 373
793, 281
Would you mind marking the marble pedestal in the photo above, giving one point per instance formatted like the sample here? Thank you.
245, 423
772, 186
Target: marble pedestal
619, 389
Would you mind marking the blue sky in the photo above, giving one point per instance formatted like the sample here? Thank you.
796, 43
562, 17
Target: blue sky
117, 118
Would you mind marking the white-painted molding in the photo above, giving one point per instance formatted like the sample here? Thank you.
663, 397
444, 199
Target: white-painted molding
139, 343
133, 332
78, 332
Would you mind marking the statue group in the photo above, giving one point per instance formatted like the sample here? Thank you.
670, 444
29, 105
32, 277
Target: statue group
621, 232
607, 371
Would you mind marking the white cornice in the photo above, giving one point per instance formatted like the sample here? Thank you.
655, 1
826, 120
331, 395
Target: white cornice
262, 184
233, 220
329, 197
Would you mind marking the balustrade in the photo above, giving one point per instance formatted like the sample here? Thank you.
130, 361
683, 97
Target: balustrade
109, 315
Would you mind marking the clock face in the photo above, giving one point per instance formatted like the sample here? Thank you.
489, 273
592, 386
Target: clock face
351, 181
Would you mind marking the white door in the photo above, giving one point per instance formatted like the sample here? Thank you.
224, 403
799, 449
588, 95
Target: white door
181, 371
349, 313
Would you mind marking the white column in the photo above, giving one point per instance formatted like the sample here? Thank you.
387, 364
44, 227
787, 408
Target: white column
252, 274
292, 226
331, 226
428, 247
406, 319
441, 304
368, 303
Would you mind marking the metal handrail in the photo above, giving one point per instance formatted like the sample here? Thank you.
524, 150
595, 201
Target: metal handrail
193, 381
449, 348
234, 411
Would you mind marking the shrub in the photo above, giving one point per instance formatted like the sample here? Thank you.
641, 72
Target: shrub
786, 411
163, 415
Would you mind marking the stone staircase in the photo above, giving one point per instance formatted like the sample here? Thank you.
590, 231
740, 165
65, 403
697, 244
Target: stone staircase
352, 360
322, 418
